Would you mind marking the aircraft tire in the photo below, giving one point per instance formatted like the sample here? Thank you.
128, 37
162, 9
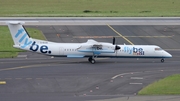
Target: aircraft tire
93, 61
162, 60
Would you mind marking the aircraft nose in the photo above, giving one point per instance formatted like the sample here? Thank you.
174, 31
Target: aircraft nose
168, 55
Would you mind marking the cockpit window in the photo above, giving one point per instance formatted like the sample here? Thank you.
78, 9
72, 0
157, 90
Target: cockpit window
158, 49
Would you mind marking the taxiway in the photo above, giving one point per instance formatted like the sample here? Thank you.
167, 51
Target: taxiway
37, 77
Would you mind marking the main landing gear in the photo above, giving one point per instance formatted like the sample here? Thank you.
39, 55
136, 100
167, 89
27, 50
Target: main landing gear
92, 60
162, 60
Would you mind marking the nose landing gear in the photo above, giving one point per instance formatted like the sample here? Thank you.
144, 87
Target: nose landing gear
162, 60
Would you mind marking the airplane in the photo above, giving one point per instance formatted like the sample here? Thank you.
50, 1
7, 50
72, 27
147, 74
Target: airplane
90, 49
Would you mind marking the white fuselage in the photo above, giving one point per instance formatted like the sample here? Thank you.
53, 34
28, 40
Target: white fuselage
80, 50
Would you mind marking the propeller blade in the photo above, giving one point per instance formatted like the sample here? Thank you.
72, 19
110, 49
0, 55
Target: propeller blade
114, 40
116, 47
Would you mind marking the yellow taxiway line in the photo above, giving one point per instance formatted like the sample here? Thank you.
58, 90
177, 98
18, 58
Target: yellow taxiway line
2, 82
120, 35
21, 67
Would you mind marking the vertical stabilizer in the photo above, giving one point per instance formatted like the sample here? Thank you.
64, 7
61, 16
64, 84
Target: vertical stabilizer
19, 34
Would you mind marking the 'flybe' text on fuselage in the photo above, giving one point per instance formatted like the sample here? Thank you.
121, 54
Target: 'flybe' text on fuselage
134, 50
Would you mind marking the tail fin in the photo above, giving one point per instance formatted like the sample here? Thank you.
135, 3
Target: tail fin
19, 34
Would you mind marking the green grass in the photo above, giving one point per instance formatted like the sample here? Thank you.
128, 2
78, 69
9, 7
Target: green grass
89, 8
166, 86
6, 42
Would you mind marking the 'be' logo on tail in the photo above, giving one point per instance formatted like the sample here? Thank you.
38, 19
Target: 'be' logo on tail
43, 48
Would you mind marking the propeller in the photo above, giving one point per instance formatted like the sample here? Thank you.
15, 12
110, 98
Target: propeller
116, 47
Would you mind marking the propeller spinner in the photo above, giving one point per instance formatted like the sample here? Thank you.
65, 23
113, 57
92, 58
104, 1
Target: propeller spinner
117, 47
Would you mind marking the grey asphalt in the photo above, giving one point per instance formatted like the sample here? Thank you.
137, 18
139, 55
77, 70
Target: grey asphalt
42, 78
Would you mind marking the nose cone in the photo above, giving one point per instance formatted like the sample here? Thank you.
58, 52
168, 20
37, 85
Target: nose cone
168, 55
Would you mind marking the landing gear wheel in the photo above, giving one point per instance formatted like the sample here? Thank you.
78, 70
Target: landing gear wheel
92, 61
162, 60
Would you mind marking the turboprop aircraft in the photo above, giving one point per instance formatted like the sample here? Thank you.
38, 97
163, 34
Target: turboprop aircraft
90, 49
